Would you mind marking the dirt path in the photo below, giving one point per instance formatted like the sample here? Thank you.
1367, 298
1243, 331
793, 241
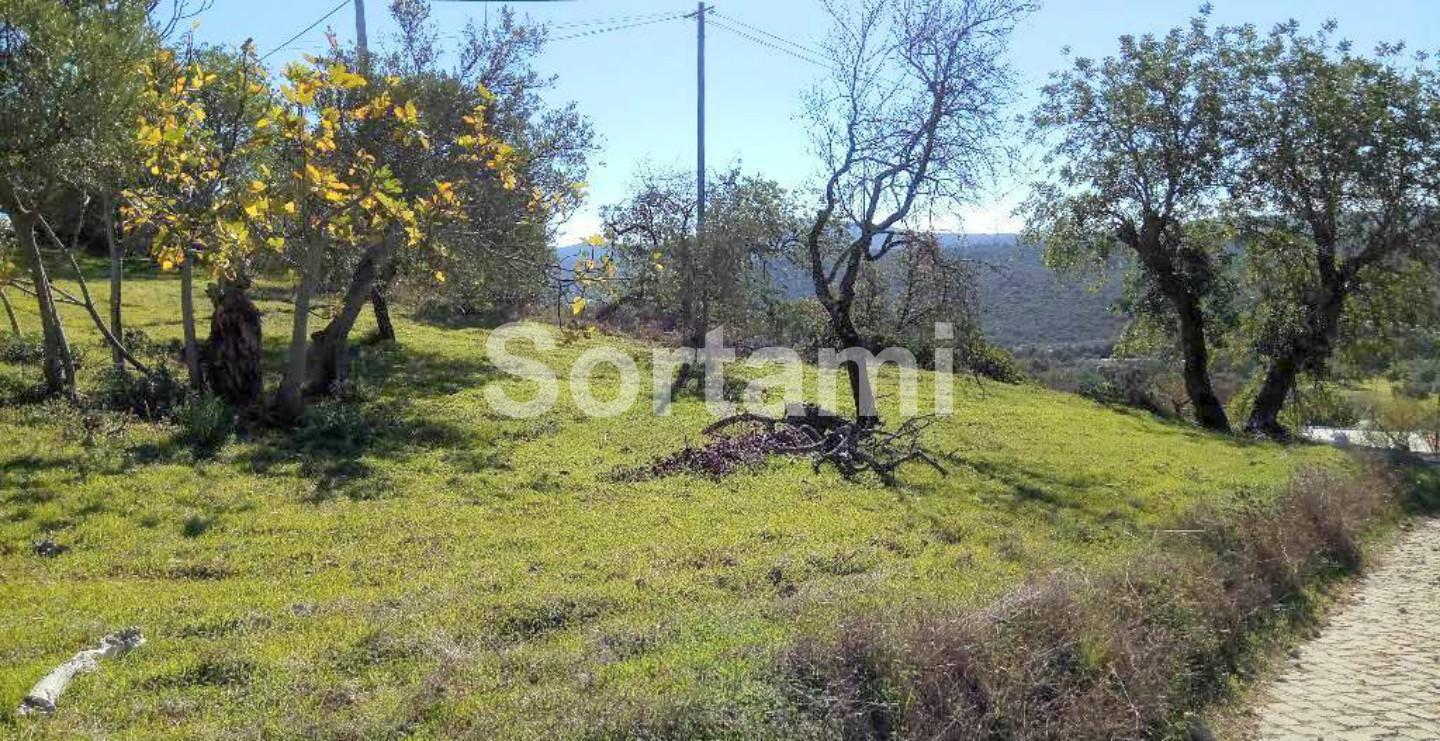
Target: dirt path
1374, 672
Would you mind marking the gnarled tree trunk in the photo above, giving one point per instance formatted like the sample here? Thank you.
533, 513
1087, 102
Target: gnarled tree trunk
1307, 351
1209, 412
233, 352
330, 349
1183, 289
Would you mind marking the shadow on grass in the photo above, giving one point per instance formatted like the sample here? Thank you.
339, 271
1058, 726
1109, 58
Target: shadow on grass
338, 441
1031, 484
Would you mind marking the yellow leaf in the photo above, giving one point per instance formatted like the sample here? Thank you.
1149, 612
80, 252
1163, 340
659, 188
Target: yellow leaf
577, 305
439, 277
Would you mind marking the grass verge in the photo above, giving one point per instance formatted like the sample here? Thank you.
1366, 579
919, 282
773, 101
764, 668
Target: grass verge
1128, 654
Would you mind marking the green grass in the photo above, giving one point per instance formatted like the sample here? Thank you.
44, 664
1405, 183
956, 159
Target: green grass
415, 564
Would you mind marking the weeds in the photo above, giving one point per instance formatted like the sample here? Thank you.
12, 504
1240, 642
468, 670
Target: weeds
1123, 656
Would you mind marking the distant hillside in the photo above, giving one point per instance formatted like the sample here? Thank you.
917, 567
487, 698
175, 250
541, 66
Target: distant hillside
1022, 302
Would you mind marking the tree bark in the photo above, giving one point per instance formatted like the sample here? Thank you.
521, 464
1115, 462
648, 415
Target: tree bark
1209, 412
9, 312
1309, 350
289, 403
329, 360
58, 365
233, 352
384, 327
1265, 412
187, 320
117, 267
861, 393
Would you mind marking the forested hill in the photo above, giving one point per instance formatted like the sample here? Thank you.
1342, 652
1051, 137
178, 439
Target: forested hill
1021, 301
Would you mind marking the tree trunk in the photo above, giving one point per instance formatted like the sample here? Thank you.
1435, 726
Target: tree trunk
9, 312
233, 352
1270, 401
289, 403
59, 366
698, 325
848, 336
384, 328
187, 320
1309, 350
329, 360
1209, 412
117, 267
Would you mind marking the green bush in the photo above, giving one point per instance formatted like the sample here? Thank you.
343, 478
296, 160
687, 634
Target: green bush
993, 362
338, 428
23, 349
205, 422
154, 397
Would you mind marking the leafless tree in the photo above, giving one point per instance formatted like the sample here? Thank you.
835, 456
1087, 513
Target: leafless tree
906, 125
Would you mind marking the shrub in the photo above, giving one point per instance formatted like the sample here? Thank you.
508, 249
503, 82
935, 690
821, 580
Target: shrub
154, 397
1126, 383
1121, 656
1399, 421
993, 362
336, 428
206, 422
23, 349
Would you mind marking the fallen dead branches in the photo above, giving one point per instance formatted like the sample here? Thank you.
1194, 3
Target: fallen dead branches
805, 430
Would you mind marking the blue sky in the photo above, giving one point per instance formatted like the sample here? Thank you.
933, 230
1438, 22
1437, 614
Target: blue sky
638, 85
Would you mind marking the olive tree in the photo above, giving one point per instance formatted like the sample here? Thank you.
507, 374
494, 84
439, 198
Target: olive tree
1137, 149
69, 83
1339, 194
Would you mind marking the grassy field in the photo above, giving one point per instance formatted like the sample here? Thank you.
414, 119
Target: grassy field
414, 564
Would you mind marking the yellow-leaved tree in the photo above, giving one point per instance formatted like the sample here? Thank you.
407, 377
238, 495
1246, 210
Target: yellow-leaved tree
440, 147
204, 139
331, 188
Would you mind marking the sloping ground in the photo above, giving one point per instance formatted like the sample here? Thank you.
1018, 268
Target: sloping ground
416, 564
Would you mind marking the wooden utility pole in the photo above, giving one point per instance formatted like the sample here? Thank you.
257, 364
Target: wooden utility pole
362, 44
700, 121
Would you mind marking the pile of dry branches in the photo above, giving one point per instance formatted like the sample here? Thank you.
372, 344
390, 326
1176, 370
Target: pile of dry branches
805, 430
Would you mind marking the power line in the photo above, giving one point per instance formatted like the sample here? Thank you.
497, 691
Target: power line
613, 19
308, 29
807, 50
776, 47
598, 31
